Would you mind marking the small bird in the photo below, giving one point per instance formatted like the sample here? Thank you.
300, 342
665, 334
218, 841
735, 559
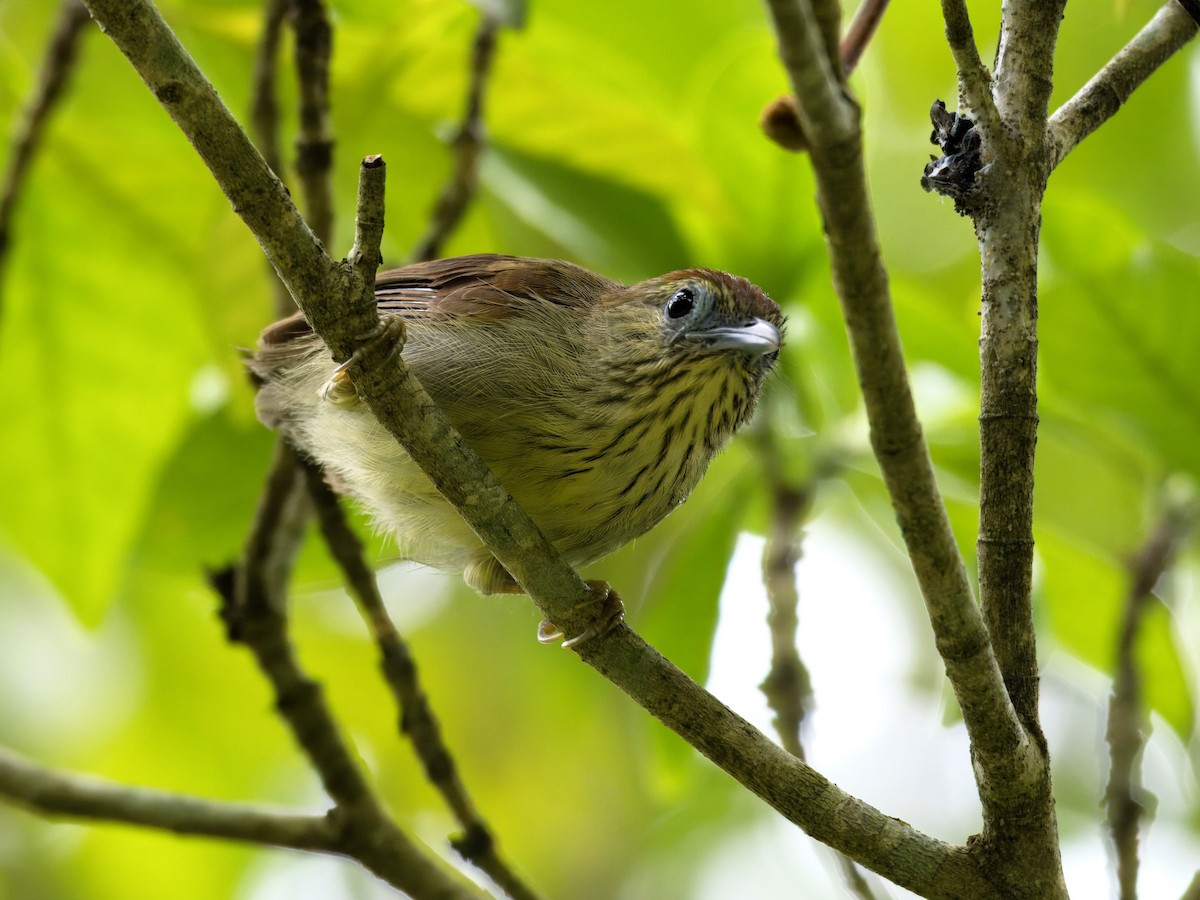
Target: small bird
597, 405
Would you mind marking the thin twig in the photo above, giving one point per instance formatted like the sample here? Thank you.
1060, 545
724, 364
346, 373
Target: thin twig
417, 719
76, 796
52, 80
314, 146
264, 115
859, 33
1126, 710
974, 80
1099, 99
787, 686
468, 146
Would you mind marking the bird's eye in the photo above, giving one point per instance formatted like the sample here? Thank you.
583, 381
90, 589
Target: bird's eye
681, 303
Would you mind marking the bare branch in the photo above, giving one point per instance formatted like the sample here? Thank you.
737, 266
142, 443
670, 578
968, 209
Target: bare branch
1126, 709
468, 146
827, 117
974, 80
1099, 99
264, 116
264, 105
54, 793
1025, 66
1002, 751
417, 719
1193, 890
56, 70
787, 686
314, 146
859, 33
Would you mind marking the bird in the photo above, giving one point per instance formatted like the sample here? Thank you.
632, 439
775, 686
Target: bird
597, 405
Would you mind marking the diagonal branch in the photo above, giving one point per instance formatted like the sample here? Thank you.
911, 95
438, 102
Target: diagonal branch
1099, 99
468, 145
417, 720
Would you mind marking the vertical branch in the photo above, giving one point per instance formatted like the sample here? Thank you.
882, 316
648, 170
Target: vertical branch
1126, 707
314, 146
264, 116
52, 80
787, 687
1008, 230
468, 145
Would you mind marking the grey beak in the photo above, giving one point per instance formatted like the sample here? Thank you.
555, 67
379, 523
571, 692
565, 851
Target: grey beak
755, 337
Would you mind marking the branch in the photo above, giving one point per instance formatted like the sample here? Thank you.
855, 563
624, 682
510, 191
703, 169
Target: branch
264, 115
974, 80
1126, 712
417, 719
826, 116
1004, 758
314, 146
1100, 98
1192, 892
53, 793
787, 686
55, 72
859, 33
342, 311
468, 145
1025, 66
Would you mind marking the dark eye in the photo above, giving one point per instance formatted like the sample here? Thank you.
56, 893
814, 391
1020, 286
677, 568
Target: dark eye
681, 303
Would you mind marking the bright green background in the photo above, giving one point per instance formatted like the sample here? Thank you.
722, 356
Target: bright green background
623, 136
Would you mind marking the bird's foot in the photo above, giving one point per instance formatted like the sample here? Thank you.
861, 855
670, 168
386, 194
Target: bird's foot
339, 389
609, 613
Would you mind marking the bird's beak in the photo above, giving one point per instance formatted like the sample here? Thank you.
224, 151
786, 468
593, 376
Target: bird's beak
755, 337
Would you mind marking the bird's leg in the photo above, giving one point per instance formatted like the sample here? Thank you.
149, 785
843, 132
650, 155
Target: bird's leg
609, 613
339, 389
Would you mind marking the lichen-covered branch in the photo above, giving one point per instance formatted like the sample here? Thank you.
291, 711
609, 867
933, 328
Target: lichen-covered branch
1098, 101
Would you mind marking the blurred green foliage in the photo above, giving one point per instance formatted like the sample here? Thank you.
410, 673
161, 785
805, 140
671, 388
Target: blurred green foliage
623, 136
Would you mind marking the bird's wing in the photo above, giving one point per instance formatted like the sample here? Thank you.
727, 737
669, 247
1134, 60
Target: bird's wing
482, 286
485, 286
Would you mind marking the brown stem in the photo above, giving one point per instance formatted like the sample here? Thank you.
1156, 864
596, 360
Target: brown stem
417, 719
1126, 708
468, 145
859, 33
314, 146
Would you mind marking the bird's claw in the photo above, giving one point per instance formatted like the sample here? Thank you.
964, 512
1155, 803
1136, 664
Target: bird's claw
339, 389
610, 614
